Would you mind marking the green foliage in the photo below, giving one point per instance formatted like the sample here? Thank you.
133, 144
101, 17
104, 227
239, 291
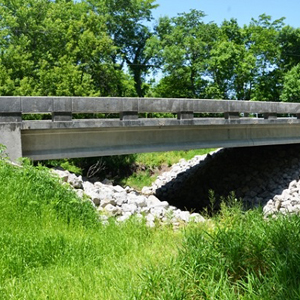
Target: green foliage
57, 48
236, 255
182, 46
53, 246
291, 87
3, 154
108, 48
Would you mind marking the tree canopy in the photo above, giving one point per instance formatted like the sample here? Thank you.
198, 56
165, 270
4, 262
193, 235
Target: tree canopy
115, 48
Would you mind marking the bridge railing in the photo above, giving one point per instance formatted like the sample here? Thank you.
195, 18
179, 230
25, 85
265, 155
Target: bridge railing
62, 108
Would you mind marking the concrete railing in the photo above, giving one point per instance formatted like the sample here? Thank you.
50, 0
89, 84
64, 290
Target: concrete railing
66, 137
62, 108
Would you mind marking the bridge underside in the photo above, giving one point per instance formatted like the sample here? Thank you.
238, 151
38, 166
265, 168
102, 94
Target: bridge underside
43, 140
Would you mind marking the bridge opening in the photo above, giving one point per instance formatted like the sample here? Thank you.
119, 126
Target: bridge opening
254, 174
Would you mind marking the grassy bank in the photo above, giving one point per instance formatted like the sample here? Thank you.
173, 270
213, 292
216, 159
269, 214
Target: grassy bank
53, 247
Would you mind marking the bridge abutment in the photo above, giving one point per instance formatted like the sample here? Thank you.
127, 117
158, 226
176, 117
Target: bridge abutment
10, 137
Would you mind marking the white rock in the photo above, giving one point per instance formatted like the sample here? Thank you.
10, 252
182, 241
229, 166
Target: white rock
112, 210
286, 194
269, 210
95, 198
195, 217
147, 190
184, 216
150, 224
141, 201
145, 210
79, 193
125, 216
63, 175
128, 189
158, 211
120, 198
107, 201
152, 200
150, 218
293, 184
98, 184
87, 186
75, 181
162, 204
131, 208
279, 198
118, 189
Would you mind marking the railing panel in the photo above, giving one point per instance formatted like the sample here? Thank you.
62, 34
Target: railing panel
73, 105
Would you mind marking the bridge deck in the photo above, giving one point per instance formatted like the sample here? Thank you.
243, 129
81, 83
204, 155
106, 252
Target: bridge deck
64, 137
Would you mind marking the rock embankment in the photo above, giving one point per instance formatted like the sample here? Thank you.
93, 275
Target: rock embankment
122, 203
266, 176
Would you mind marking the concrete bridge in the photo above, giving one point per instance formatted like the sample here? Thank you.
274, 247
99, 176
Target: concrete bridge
63, 136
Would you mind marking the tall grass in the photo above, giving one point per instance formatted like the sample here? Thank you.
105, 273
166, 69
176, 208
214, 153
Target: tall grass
237, 255
52, 246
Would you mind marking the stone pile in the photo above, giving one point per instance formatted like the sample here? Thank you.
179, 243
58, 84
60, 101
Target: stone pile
122, 203
266, 176
177, 174
288, 202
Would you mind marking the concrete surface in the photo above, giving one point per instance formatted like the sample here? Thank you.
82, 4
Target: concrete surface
64, 137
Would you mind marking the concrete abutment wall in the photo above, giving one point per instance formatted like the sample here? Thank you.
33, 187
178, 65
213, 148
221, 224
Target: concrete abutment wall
10, 137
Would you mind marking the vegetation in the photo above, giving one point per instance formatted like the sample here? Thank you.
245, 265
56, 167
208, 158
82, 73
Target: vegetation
150, 165
53, 247
136, 170
113, 48
52, 243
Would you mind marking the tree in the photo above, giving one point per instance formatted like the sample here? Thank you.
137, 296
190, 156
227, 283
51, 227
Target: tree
230, 64
56, 48
263, 42
289, 39
182, 46
291, 86
126, 25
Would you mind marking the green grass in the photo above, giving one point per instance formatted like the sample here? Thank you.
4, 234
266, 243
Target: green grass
149, 165
236, 255
53, 247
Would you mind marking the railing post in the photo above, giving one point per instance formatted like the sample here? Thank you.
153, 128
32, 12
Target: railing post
231, 115
128, 115
185, 115
270, 116
62, 110
14, 117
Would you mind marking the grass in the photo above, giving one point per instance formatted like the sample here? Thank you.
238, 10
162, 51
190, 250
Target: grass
53, 247
237, 255
149, 165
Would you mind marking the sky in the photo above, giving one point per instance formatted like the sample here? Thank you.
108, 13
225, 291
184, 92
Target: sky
242, 10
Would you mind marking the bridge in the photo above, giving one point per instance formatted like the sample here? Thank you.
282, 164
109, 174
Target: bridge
239, 124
